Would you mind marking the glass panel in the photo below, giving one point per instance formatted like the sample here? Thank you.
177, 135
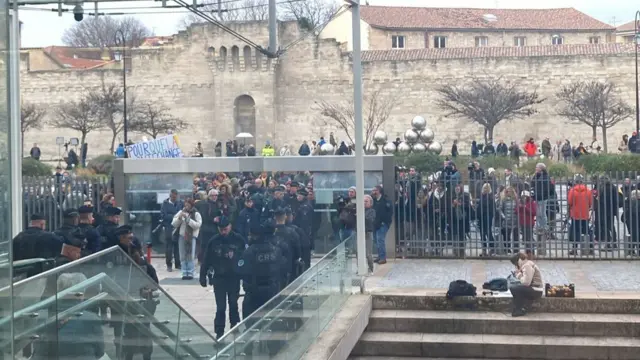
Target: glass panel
287, 325
103, 304
5, 203
145, 193
328, 187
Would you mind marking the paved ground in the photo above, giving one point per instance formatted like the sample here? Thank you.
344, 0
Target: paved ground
601, 277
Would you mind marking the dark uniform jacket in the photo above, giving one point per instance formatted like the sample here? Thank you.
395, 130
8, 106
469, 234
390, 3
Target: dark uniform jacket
221, 256
36, 243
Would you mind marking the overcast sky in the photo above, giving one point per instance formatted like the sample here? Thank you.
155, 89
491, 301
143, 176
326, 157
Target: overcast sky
42, 28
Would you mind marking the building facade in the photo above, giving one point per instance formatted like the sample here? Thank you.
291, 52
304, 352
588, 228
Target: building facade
222, 86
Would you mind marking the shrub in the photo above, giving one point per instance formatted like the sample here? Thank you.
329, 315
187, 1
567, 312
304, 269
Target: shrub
424, 163
614, 165
101, 165
32, 167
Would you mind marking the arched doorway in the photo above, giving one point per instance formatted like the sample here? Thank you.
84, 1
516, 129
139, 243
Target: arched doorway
244, 114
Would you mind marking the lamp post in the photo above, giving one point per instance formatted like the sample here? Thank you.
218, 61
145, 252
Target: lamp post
120, 42
636, 39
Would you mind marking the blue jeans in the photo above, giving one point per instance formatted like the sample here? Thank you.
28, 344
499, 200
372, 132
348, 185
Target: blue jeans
348, 234
188, 266
541, 214
379, 236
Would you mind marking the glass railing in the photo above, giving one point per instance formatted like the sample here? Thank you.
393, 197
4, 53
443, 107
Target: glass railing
289, 323
101, 304
105, 304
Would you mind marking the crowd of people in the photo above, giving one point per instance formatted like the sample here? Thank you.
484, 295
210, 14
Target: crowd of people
561, 151
526, 211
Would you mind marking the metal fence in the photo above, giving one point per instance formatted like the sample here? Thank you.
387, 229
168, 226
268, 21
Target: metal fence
50, 196
440, 215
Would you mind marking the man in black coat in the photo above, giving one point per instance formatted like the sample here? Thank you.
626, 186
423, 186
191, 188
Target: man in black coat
219, 268
35, 242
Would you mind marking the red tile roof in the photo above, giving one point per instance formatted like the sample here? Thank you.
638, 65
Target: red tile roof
496, 52
75, 58
468, 18
156, 41
630, 26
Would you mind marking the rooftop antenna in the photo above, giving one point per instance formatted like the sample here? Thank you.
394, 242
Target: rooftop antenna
497, 4
614, 21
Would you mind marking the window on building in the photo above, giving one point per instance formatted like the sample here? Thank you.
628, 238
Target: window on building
440, 42
519, 41
594, 40
397, 42
482, 41
557, 40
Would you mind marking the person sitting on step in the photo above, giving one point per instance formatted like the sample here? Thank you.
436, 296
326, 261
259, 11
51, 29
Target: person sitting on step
530, 287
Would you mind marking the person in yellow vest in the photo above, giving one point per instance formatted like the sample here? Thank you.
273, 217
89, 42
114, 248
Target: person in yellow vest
268, 150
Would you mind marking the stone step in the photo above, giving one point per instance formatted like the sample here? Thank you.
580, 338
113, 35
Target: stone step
408, 358
512, 347
497, 323
582, 305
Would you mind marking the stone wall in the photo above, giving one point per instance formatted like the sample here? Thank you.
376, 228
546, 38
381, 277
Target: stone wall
380, 39
200, 86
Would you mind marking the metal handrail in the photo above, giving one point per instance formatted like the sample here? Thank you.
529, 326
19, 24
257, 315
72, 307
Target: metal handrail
97, 255
292, 294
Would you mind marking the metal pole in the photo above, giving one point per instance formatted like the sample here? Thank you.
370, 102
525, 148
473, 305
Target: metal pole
220, 10
273, 40
15, 150
636, 34
15, 133
121, 42
359, 129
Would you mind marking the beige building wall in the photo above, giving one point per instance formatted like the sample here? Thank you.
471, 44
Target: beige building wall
340, 29
381, 39
200, 86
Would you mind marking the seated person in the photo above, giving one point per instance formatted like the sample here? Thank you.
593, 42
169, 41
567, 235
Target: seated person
531, 287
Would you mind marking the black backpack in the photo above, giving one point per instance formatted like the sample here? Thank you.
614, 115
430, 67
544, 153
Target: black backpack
460, 288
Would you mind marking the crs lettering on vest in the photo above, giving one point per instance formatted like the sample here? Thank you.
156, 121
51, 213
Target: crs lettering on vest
266, 257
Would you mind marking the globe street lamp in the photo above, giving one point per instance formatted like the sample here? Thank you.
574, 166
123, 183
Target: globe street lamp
120, 54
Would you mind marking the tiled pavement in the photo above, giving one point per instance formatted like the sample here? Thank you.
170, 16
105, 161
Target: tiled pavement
601, 277
604, 278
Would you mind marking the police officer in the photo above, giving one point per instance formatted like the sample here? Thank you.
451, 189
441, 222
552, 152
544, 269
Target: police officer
35, 242
278, 201
280, 240
86, 226
109, 225
285, 234
219, 267
303, 216
248, 216
69, 226
260, 268
305, 244
73, 248
136, 341
291, 198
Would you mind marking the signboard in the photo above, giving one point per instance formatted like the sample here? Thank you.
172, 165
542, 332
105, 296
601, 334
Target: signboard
160, 148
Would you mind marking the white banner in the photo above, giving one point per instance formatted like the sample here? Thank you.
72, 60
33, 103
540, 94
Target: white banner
162, 147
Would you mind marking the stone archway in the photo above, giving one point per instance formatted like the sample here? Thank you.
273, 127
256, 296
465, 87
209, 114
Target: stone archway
244, 116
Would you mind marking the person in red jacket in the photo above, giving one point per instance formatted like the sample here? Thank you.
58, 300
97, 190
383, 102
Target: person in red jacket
580, 202
527, 218
530, 148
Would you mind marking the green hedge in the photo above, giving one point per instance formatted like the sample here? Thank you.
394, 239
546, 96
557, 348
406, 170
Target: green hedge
102, 164
32, 167
613, 165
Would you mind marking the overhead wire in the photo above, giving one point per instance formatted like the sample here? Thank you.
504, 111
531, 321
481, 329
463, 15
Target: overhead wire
341, 10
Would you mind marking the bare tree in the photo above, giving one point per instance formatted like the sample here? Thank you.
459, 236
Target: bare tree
595, 104
108, 103
309, 13
377, 110
487, 102
79, 116
100, 32
31, 118
154, 120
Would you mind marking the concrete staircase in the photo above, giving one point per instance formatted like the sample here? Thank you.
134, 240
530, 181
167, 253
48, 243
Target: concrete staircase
403, 327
